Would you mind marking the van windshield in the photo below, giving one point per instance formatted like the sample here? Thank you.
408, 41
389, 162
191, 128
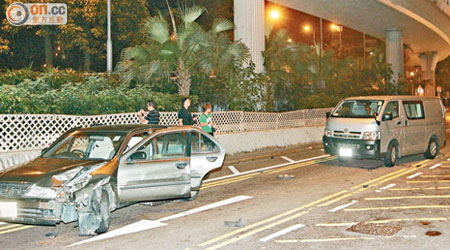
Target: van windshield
358, 109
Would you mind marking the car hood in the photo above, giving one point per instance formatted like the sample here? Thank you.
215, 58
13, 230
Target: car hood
352, 124
42, 168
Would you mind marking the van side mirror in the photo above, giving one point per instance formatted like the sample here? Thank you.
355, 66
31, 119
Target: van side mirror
387, 116
327, 114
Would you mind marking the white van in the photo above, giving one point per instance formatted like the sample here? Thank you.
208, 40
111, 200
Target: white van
385, 128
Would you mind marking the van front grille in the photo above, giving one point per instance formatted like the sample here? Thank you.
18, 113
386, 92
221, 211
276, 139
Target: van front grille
349, 135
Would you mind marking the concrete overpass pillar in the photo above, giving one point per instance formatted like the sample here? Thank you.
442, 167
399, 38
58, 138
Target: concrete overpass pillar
394, 52
249, 28
428, 62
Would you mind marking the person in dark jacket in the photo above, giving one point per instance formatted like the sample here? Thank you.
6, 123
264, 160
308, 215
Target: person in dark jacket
184, 115
151, 116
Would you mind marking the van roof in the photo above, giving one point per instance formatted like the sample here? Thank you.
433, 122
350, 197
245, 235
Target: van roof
392, 97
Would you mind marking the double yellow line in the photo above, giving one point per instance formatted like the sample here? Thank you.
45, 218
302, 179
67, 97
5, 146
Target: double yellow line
263, 225
9, 228
269, 171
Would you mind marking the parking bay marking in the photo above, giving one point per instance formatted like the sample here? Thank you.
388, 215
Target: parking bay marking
334, 210
407, 197
380, 180
435, 166
287, 159
143, 225
419, 188
395, 208
342, 239
281, 232
233, 169
386, 187
414, 175
346, 224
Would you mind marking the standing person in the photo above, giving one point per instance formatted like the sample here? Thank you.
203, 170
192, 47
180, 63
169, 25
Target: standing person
150, 117
184, 115
206, 120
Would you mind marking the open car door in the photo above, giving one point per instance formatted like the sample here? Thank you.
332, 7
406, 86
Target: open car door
156, 168
207, 154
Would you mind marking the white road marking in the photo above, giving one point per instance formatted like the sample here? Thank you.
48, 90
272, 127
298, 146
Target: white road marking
263, 169
233, 169
129, 229
207, 207
287, 158
448, 159
2, 223
386, 187
281, 232
435, 166
149, 224
414, 175
334, 210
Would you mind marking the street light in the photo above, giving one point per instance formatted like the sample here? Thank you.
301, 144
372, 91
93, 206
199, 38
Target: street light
307, 29
109, 42
339, 29
274, 14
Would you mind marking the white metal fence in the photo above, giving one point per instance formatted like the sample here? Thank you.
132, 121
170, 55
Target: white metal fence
30, 132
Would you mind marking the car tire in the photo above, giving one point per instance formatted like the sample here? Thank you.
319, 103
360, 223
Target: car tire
194, 195
391, 155
105, 214
342, 159
432, 149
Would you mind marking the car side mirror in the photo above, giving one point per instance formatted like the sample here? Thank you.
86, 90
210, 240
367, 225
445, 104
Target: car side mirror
387, 116
327, 114
137, 156
43, 151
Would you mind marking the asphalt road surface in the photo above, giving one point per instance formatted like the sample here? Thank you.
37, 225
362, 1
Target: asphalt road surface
303, 199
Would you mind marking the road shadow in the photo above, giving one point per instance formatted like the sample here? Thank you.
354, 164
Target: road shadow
374, 164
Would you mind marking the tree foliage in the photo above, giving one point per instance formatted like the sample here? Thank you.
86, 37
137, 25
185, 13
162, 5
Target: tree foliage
179, 47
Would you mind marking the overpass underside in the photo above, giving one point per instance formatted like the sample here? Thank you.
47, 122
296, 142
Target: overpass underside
424, 25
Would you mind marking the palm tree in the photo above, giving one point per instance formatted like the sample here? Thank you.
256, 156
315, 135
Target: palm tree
181, 49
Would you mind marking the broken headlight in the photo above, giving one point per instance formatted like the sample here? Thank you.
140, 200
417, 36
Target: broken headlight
81, 178
40, 192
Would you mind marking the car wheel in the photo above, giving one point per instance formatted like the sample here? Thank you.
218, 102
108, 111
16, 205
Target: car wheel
432, 150
391, 156
104, 214
342, 159
194, 195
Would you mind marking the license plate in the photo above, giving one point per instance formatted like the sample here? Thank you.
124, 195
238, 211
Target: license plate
8, 209
345, 152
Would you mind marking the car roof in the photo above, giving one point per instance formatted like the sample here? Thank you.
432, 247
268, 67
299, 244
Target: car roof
125, 128
392, 97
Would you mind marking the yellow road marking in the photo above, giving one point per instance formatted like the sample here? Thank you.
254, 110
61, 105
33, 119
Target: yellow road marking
428, 181
345, 224
381, 180
407, 197
325, 240
435, 176
243, 236
412, 189
268, 220
271, 171
15, 229
393, 208
10, 226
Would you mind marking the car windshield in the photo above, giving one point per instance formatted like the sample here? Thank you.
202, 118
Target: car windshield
358, 108
86, 146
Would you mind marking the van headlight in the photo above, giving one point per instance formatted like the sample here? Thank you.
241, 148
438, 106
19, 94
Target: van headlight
328, 132
372, 135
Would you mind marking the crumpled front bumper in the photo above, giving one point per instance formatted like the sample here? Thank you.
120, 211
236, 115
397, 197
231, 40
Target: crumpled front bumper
33, 211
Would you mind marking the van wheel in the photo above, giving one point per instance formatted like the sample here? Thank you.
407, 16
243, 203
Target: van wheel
391, 156
432, 150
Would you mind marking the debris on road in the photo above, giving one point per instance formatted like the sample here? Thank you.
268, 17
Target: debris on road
51, 234
238, 223
286, 176
425, 223
365, 186
373, 228
433, 233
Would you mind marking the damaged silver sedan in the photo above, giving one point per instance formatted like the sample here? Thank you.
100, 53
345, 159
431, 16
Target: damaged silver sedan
88, 173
